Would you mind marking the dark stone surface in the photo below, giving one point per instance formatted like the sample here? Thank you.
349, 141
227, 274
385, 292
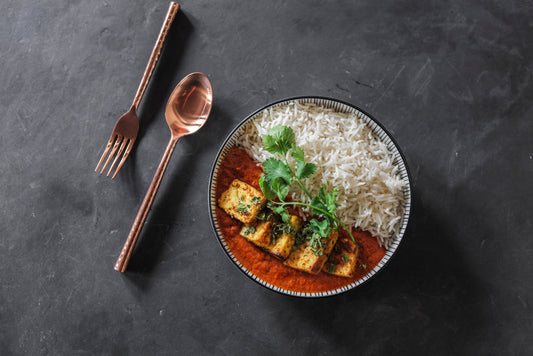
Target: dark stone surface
451, 80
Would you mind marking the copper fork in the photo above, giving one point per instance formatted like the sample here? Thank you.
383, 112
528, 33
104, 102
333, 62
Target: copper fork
127, 127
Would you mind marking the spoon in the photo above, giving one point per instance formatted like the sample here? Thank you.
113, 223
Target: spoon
186, 112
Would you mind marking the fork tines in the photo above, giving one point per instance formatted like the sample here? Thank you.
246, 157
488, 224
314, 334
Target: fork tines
120, 143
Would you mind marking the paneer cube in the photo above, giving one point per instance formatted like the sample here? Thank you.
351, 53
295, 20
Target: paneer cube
259, 234
345, 243
342, 264
282, 246
308, 260
343, 259
242, 201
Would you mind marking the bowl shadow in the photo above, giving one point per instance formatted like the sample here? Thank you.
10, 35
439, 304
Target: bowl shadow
428, 276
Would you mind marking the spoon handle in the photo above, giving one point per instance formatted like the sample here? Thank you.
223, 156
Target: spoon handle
156, 51
127, 249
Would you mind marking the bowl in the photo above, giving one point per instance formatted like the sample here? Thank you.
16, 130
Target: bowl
339, 106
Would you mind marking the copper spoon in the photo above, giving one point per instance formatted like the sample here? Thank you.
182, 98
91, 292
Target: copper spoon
187, 110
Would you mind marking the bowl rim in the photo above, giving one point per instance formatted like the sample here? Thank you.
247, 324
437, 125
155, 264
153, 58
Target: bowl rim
388, 255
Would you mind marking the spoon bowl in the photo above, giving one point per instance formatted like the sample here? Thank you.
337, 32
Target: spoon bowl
189, 105
187, 110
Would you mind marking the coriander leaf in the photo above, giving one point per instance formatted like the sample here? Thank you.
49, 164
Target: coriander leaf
315, 241
304, 170
331, 268
274, 168
280, 210
280, 139
249, 230
281, 188
242, 208
263, 215
330, 202
278, 176
316, 203
322, 194
282, 229
256, 200
298, 154
320, 227
265, 188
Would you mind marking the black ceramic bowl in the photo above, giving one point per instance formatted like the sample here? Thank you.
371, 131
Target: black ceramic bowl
339, 106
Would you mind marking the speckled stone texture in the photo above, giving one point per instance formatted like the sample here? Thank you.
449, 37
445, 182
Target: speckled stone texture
451, 80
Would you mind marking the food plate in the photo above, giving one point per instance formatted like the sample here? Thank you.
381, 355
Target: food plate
378, 131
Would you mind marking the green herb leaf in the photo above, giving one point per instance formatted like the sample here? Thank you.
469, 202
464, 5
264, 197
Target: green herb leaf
322, 228
256, 200
281, 188
331, 268
280, 139
265, 188
329, 199
274, 168
281, 211
345, 258
242, 208
264, 215
281, 229
249, 230
317, 204
278, 177
304, 170
298, 154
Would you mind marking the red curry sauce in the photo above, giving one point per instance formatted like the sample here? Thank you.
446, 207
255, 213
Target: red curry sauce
237, 164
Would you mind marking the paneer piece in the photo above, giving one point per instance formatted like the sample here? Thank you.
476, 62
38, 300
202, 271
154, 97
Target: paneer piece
305, 259
342, 264
343, 259
242, 201
260, 234
282, 247
345, 243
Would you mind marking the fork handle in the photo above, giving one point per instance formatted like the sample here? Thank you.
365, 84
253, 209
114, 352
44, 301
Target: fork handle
127, 249
156, 52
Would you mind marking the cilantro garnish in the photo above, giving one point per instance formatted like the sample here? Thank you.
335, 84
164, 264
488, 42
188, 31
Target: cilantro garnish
249, 230
280, 139
263, 215
242, 208
331, 268
345, 258
256, 200
279, 177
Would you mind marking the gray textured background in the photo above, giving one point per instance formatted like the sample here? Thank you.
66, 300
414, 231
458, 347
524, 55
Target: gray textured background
452, 81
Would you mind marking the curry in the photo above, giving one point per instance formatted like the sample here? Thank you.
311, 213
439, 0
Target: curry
238, 165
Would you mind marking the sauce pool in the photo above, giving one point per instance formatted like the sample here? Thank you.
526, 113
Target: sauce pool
237, 164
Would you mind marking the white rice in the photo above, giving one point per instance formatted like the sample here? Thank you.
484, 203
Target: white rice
349, 157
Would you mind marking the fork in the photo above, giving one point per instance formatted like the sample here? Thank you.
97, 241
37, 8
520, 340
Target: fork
127, 127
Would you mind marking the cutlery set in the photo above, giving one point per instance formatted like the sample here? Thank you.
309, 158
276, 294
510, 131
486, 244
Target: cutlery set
186, 112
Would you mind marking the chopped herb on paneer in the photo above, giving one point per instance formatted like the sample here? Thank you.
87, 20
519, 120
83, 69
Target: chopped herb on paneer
308, 258
281, 245
260, 234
